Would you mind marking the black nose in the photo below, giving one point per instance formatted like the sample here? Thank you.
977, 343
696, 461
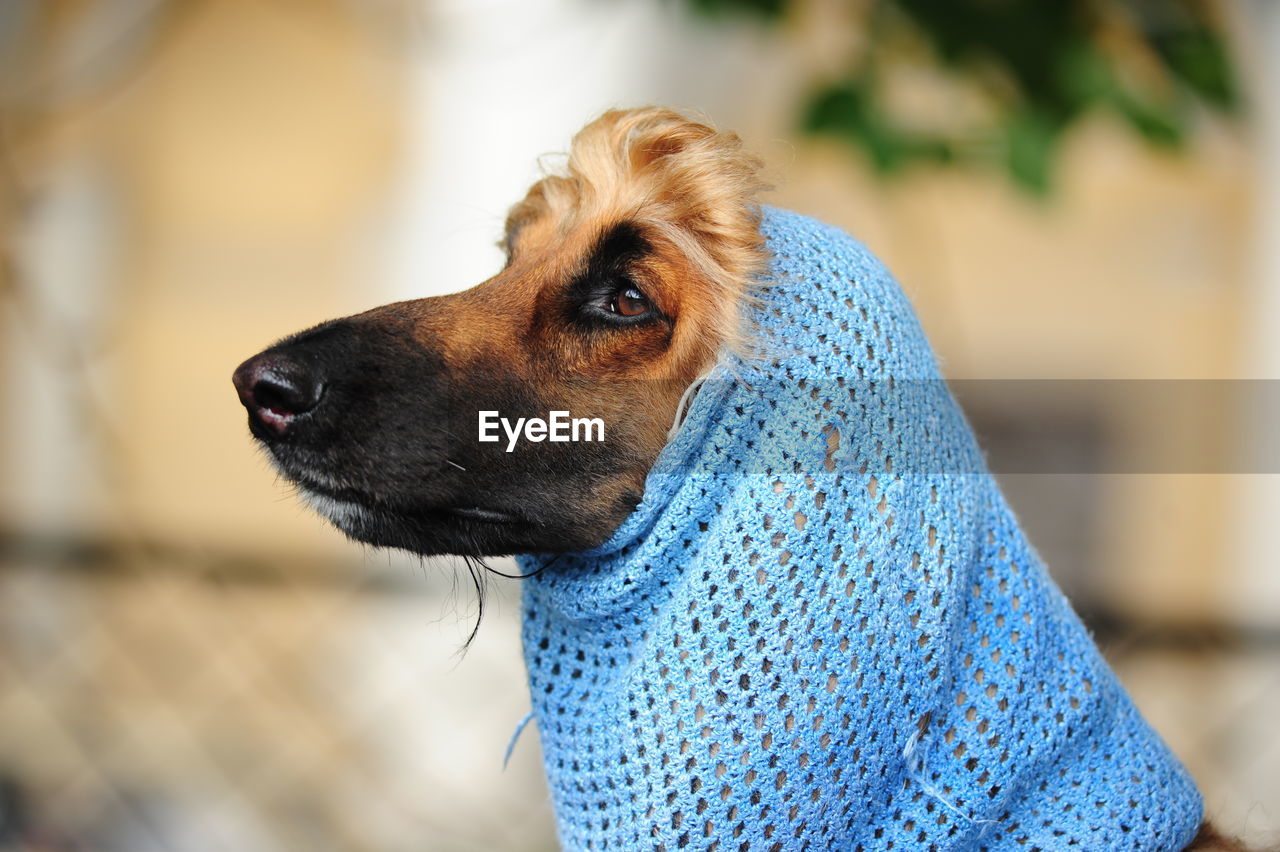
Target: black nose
276, 389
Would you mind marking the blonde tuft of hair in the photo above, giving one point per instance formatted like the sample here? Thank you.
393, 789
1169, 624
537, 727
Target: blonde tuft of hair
680, 180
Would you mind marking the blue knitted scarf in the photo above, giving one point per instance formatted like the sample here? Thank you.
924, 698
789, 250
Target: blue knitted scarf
823, 629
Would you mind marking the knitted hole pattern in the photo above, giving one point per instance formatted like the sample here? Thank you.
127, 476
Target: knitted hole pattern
823, 629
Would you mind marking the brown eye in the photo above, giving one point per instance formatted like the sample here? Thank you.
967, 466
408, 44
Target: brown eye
629, 303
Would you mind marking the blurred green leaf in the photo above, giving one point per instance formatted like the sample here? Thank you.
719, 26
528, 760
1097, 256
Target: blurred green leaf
844, 111
766, 9
1199, 59
1031, 140
1161, 124
1085, 74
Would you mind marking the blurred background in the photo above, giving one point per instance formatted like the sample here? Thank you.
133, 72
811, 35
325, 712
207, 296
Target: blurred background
1082, 197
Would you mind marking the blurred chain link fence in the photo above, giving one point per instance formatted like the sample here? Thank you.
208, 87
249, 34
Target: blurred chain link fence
169, 702
164, 703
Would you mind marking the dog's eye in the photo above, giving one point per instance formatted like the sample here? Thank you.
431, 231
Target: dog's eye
630, 302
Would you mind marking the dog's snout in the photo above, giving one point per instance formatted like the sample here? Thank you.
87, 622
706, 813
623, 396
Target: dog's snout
275, 390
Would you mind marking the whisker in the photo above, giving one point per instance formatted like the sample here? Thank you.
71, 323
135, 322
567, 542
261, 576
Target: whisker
476, 567
533, 573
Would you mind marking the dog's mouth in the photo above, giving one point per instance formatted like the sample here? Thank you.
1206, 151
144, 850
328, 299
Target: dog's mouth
483, 515
350, 501
459, 528
439, 517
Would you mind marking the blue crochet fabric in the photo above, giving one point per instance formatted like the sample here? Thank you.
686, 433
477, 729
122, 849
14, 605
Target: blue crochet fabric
823, 628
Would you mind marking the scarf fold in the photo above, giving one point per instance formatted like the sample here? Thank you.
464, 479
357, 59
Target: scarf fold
823, 628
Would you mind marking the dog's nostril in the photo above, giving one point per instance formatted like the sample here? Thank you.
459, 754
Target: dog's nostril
284, 394
276, 389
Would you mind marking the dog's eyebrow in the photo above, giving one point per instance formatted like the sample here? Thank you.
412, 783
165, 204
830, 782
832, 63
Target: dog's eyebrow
617, 247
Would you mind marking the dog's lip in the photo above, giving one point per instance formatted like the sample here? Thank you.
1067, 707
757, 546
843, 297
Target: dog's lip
485, 515
480, 514
346, 495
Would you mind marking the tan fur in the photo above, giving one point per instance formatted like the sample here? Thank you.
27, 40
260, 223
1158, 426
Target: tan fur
685, 184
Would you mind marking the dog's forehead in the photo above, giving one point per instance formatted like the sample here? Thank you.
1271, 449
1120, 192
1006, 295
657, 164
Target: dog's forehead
544, 266
567, 221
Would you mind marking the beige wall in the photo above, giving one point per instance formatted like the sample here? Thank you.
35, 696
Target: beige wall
261, 147
244, 165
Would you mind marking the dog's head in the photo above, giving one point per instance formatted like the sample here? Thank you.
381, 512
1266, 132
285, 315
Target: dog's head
625, 276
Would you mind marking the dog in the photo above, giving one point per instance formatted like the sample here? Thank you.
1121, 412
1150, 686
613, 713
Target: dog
741, 633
